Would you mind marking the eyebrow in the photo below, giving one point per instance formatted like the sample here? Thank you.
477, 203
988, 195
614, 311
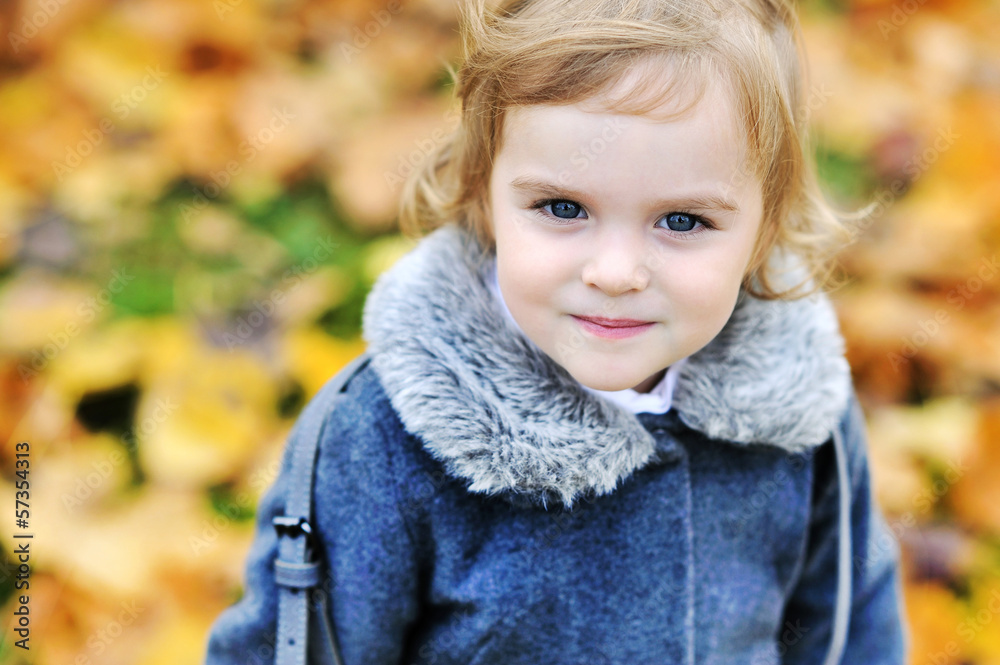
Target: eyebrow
694, 201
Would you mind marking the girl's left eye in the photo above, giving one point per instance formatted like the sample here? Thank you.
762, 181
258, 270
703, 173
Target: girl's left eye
684, 222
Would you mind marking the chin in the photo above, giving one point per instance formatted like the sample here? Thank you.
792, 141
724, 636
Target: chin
606, 384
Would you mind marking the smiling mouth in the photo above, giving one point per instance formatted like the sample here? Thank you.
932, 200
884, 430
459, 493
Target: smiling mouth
613, 323
614, 328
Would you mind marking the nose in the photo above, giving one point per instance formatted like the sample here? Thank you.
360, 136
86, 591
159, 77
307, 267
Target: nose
617, 264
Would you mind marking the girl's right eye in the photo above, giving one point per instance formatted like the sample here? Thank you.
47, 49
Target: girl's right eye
560, 208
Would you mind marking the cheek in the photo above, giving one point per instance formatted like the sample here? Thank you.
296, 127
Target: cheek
701, 292
525, 277
530, 268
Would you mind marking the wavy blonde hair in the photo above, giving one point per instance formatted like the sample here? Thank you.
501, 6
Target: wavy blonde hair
526, 52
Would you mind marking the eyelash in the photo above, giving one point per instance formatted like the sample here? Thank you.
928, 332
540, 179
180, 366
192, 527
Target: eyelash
706, 224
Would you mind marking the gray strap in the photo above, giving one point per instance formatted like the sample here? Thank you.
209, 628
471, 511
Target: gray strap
299, 575
295, 571
842, 612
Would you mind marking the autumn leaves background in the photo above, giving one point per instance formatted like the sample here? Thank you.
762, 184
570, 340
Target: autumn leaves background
195, 196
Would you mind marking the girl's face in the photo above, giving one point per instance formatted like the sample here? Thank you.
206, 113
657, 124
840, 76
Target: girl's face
647, 225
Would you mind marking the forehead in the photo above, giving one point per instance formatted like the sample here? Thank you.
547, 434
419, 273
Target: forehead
690, 137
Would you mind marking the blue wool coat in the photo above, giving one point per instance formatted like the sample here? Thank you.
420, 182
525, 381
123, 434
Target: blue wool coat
476, 505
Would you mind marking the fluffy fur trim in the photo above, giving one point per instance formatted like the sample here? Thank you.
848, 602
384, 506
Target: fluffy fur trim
500, 413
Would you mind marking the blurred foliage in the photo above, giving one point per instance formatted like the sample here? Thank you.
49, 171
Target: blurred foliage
195, 197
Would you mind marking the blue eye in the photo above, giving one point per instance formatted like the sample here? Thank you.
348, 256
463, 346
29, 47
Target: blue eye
681, 221
565, 209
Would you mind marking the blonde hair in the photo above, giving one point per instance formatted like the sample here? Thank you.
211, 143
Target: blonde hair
527, 52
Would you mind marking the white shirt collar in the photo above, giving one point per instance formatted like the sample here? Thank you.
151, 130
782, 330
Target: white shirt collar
657, 400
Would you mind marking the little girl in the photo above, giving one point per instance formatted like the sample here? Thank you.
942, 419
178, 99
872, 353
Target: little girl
604, 415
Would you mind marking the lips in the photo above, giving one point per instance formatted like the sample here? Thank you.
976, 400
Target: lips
614, 323
613, 328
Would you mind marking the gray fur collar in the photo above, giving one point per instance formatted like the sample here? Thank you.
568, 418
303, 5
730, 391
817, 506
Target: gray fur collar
502, 415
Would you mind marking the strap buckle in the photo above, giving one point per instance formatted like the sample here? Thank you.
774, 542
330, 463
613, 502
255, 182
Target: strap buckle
292, 526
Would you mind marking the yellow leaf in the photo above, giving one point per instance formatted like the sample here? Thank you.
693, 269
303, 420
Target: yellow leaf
200, 421
975, 498
313, 357
933, 616
40, 315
